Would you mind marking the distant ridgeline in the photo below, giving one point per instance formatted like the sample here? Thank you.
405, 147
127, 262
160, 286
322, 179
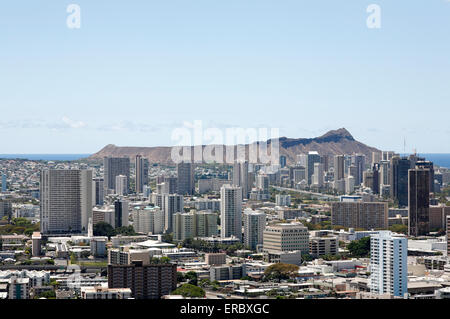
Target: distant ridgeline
334, 142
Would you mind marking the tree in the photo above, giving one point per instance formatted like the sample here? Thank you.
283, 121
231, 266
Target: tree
46, 294
399, 228
188, 290
125, 230
280, 271
360, 248
191, 276
307, 257
180, 277
205, 283
103, 229
167, 238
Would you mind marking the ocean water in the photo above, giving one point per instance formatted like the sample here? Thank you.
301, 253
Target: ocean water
45, 157
438, 159
442, 160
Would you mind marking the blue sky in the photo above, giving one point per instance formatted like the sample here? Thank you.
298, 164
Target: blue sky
136, 70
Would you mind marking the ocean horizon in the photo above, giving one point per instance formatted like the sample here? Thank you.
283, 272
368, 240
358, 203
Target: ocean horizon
45, 157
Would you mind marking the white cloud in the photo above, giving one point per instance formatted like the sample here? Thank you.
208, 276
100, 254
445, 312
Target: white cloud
72, 123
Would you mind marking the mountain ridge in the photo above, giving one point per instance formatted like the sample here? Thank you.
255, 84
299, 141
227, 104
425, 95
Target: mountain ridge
333, 142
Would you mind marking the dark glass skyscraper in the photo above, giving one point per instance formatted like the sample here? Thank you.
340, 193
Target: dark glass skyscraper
399, 179
419, 202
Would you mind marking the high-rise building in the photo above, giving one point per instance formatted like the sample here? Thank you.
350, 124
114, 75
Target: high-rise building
121, 185
325, 161
186, 183
36, 244
148, 220
318, 175
312, 158
388, 264
98, 191
141, 172
286, 237
385, 173
205, 223
282, 161
113, 167
360, 215
376, 178
240, 177
262, 182
359, 161
194, 224
350, 184
283, 200
376, 157
19, 288
299, 174
419, 202
399, 179
339, 172
254, 225
5, 208
171, 204
368, 179
66, 200
183, 226
168, 186
121, 213
146, 281
427, 165
4, 183
321, 244
387, 155
231, 211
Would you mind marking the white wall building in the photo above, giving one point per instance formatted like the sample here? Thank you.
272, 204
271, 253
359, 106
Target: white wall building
388, 264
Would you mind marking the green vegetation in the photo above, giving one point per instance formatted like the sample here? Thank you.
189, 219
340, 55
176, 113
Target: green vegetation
191, 276
403, 229
280, 271
202, 245
360, 248
46, 294
20, 226
188, 290
105, 229
445, 192
73, 259
167, 238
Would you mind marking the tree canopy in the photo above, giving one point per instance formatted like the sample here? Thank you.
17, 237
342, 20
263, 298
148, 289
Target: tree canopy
360, 248
281, 271
188, 290
105, 229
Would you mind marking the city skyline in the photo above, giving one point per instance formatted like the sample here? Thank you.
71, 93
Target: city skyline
132, 74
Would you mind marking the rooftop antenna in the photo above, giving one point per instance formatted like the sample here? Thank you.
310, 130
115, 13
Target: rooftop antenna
404, 145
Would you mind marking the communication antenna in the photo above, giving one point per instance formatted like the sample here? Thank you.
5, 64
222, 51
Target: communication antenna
404, 145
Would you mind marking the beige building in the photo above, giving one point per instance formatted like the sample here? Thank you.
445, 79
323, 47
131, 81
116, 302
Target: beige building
216, 259
363, 215
322, 244
194, 224
36, 244
148, 220
286, 237
105, 293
